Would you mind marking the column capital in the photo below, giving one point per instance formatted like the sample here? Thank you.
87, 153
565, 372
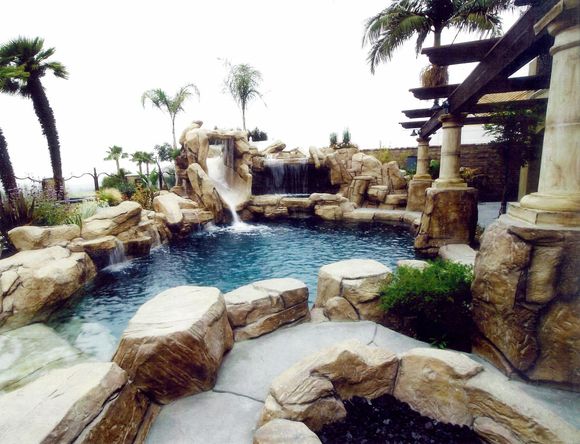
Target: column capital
423, 140
452, 120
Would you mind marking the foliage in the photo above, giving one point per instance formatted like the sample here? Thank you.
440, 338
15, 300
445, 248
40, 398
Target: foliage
169, 176
116, 153
110, 195
242, 82
166, 153
518, 135
30, 56
173, 105
120, 182
400, 21
434, 167
439, 296
346, 137
382, 155
333, 139
143, 195
257, 135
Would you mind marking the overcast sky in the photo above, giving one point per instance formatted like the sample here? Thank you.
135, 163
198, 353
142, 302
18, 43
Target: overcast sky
316, 78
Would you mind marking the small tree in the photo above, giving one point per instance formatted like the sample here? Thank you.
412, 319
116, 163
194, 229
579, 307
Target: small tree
243, 82
115, 153
518, 136
173, 105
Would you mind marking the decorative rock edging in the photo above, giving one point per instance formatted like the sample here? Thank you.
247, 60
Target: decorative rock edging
86, 403
444, 385
175, 343
349, 290
264, 306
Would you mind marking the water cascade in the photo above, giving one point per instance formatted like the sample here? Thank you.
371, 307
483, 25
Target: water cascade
286, 177
220, 170
117, 254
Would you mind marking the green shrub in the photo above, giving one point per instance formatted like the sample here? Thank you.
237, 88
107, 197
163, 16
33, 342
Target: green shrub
381, 155
112, 196
346, 137
434, 167
48, 210
333, 139
438, 296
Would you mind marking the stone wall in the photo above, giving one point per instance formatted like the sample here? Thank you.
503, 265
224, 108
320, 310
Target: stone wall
481, 156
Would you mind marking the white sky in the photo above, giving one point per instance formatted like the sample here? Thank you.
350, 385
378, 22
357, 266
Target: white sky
316, 78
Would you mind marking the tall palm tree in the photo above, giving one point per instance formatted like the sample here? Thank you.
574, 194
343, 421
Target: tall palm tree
148, 158
172, 105
242, 82
141, 157
403, 19
8, 85
34, 59
115, 153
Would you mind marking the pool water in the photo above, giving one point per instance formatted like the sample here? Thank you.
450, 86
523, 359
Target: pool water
223, 257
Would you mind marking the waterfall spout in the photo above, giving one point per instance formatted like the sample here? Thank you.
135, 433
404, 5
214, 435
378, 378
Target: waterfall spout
286, 177
117, 254
218, 171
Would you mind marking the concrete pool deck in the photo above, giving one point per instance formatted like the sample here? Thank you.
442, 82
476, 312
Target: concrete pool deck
229, 413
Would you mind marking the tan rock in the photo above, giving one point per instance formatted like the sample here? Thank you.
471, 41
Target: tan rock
317, 316
493, 432
33, 238
203, 191
172, 205
100, 249
186, 326
416, 194
266, 200
459, 253
413, 263
339, 309
35, 282
58, 406
393, 177
328, 212
112, 220
356, 280
397, 200
377, 193
296, 203
282, 431
432, 382
263, 306
275, 147
311, 390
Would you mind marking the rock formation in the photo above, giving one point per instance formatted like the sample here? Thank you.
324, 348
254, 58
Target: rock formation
175, 343
264, 306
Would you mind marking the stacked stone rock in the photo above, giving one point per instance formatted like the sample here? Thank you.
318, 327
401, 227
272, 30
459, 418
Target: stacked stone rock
447, 386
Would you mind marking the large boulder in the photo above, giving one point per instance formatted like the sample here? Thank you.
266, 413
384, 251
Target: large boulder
89, 402
30, 352
365, 165
34, 238
112, 220
526, 300
275, 147
312, 390
356, 280
451, 387
172, 205
264, 306
35, 282
203, 191
282, 431
175, 343
392, 176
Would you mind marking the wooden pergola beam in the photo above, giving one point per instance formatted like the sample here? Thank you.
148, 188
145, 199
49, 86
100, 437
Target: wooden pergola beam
517, 47
480, 108
479, 120
527, 83
457, 53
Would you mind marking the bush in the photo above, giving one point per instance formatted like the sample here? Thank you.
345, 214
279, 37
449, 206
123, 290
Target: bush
434, 167
112, 196
381, 155
257, 136
346, 137
48, 210
438, 296
333, 138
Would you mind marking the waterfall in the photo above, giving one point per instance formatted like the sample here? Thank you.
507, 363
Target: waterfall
218, 171
117, 254
286, 177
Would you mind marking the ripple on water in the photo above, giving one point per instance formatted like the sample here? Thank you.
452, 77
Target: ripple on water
225, 257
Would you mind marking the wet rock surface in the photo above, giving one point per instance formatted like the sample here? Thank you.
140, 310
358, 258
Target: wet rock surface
387, 420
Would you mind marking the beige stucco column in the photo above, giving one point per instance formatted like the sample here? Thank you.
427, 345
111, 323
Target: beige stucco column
422, 159
450, 148
559, 185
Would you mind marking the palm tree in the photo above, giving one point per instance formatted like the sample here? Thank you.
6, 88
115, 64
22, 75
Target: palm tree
33, 58
8, 85
173, 105
400, 21
242, 82
148, 158
115, 153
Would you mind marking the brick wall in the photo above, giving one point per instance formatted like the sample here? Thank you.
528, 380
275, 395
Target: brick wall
484, 157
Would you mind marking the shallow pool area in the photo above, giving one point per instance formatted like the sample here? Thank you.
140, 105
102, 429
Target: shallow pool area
225, 257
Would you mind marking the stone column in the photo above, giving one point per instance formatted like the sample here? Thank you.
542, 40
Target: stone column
558, 196
450, 147
421, 180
